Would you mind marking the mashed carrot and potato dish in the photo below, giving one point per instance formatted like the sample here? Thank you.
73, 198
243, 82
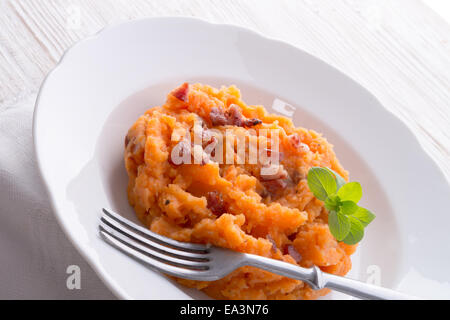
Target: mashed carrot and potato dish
233, 205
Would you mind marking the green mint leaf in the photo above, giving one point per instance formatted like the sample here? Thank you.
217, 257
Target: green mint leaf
321, 183
339, 180
356, 232
351, 191
346, 220
364, 216
348, 207
339, 225
332, 203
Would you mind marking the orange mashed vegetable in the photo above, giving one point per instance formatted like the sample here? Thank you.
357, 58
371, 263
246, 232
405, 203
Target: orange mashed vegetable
246, 213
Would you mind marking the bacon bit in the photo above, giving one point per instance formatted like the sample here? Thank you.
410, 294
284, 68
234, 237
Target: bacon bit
274, 186
251, 122
274, 244
215, 203
294, 253
292, 236
297, 143
236, 118
233, 116
297, 177
217, 117
181, 93
277, 181
263, 193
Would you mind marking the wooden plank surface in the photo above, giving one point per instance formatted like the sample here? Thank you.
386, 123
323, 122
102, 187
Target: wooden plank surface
398, 49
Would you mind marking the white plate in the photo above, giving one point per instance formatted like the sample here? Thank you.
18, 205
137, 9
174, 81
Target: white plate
102, 85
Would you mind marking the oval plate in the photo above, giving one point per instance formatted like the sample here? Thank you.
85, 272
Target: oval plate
88, 102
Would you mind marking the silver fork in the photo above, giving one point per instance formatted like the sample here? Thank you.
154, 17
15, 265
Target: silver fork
209, 263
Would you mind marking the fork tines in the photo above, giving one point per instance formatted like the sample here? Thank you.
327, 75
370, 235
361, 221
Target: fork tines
164, 254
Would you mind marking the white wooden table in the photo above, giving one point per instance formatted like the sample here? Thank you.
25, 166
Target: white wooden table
398, 49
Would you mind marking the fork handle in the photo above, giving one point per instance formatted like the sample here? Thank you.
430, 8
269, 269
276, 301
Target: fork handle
319, 280
361, 289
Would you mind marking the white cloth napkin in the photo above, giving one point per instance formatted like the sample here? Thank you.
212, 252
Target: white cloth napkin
34, 252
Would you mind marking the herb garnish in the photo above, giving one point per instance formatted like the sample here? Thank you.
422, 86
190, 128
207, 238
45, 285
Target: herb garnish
346, 219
